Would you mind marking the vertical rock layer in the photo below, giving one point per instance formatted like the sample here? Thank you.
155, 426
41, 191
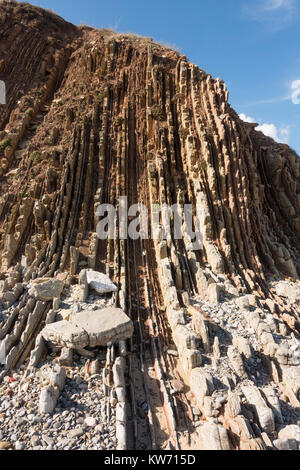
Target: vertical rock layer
92, 116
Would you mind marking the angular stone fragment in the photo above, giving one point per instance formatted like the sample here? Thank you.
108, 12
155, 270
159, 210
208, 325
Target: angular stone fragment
264, 413
214, 437
243, 346
100, 282
290, 432
184, 338
286, 444
48, 399
201, 385
291, 378
2, 353
236, 361
66, 357
214, 293
56, 377
200, 327
90, 328
233, 406
288, 291
191, 359
243, 303
216, 348
209, 407
46, 289
274, 403
175, 317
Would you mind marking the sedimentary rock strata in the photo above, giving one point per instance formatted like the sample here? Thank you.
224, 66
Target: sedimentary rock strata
213, 358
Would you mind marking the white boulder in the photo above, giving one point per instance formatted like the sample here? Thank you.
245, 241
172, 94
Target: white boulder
100, 282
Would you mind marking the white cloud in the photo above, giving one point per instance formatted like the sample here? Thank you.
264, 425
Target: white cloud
274, 13
269, 130
295, 86
246, 118
280, 135
284, 133
292, 95
270, 5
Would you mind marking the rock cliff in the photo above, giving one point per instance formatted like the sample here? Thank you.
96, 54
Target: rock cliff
92, 116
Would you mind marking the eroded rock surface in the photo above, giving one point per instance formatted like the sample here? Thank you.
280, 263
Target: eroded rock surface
92, 116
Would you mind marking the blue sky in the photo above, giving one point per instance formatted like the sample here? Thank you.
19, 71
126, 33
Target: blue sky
253, 45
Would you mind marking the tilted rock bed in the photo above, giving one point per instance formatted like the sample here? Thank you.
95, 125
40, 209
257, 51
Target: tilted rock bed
238, 387
84, 103
230, 390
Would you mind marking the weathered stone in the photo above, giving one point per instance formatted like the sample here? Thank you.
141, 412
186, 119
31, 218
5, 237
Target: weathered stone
55, 375
208, 407
274, 403
184, 338
264, 413
66, 357
200, 327
243, 346
286, 444
216, 348
66, 334
290, 432
48, 399
233, 406
100, 282
201, 385
46, 289
104, 326
243, 303
291, 377
236, 361
191, 359
214, 437
214, 293
288, 291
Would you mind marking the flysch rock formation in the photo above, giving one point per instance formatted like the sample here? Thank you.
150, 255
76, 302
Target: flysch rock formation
210, 357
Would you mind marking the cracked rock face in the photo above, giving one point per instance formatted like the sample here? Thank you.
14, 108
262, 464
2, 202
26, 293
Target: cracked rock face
46, 289
65, 334
104, 326
213, 360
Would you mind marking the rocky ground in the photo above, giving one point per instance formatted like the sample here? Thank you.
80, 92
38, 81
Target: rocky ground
79, 421
205, 342
236, 369
231, 388
82, 419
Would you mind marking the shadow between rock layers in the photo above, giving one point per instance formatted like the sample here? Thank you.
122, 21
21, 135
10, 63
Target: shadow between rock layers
91, 116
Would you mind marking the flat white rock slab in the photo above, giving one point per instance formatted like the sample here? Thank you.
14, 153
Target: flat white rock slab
104, 326
100, 282
90, 328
